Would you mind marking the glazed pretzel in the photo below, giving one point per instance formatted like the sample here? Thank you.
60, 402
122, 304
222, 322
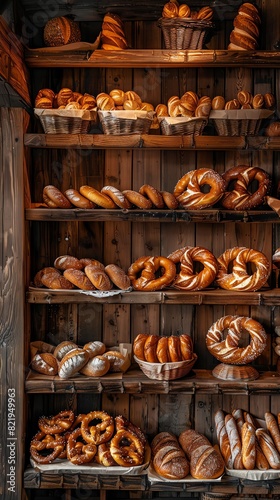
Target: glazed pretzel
228, 350
57, 424
42, 442
127, 449
99, 433
78, 452
239, 279
187, 279
240, 198
148, 266
188, 189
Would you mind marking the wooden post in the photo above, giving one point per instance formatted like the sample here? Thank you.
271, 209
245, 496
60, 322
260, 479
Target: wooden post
12, 365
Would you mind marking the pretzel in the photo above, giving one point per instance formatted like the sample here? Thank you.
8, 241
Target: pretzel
123, 423
188, 189
148, 266
127, 449
57, 424
99, 433
228, 350
78, 452
239, 279
153, 194
240, 198
187, 279
42, 442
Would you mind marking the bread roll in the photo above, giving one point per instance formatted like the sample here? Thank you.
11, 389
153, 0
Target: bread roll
174, 348
45, 363
218, 102
67, 262
150, 349
63, 348
72, 363
162, 351
258, 101
96, 367
273, 129
138, 346
118, 362
118, 277
79, 279
55, 281
64, 96
79, 201
170, 9
95, 348
98, 277
170, 462
184, 10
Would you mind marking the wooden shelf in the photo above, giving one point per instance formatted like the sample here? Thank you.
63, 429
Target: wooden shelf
134, 382
151, 141
138, 215
153, 58
168, 296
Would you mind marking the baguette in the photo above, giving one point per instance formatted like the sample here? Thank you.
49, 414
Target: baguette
239, 419
223, 439
248, 441
273, 428
235, 441
268, 448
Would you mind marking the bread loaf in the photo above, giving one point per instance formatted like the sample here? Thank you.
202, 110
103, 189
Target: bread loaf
61, 31
63, 348
268, 447
273, 428
248, 440
205, 461
45, 363
72, 363
222, 437
169, 460
235, 441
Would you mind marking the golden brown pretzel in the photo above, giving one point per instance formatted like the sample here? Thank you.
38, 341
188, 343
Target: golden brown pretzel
187, 279
228, 350
153, 194
42, 442
127, 449
79, 452
188, 189
240, 198
123, 423
58, 423
148, 266
99, 433
239, 279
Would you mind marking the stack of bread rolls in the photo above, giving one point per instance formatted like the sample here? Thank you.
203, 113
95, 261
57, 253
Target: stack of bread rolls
118, 99
245, 100
245, 443
67, 359
189, 105
245, 33
61, 31
156, 349
190, 453
65, 99
69, 272
112, 33
174, 9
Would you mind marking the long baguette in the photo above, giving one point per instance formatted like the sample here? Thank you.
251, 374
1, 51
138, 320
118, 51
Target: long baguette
273, 428
239, 419
222, 437
268, 448
235, 441
248, 440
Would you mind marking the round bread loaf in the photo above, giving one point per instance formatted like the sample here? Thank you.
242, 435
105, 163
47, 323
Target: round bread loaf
96, 367
61, 31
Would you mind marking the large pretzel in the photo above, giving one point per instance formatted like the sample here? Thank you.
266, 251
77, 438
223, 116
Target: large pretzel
187, 279
240, 197
99, 433
127, 449
58, 423
79, 452
188, 189
239, 279
228, 350
41, 445
148, 267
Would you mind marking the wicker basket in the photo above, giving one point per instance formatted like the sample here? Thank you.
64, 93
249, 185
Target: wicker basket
121, 122
66, 121
184, 33
238, 122
166, 371
181, 125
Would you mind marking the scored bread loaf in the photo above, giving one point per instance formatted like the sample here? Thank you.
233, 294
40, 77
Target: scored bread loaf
222, 437
169, 460
235, 441
248, 441
61, 31
205, 461
268, 447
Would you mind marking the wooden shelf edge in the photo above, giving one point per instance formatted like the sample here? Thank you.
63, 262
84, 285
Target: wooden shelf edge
45, 214
153, 58
151, 141
135, 382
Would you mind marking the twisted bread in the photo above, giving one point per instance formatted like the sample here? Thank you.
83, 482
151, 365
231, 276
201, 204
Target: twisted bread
148, 266
240, 198
188, 189
239, 279
228, 350
187, 278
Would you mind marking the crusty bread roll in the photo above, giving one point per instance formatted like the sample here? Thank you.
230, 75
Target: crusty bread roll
45, 362
43, 103
63, 348
98, 277
67, 262
54, 198
162, 351
79, 279
218, 102
273, 129
118, 277
118, 362
138, 346
72, 363
169, 460
78, 200
205, 461
170, 9
150, 348
55, 281
95, 348
61, 31
96, 367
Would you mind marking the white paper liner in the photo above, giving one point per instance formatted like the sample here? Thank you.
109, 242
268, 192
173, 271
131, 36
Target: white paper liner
84, 114
60, 466
93, 293
180, 119
240, 114
255, 474
127, 114
153, 477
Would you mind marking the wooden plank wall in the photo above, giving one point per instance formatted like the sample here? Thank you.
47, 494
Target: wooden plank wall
123, 242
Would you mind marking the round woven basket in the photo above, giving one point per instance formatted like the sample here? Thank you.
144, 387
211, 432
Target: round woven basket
184, 33
166, 371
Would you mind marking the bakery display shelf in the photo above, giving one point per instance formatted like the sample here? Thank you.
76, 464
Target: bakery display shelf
167, 296
154, 58
141, 215
135, 382
151, 141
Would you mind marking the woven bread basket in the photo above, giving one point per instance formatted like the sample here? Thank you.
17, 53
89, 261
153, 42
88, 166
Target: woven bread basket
166, 371
121, 122
184, 33
181, 125
66, 121
238, 122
